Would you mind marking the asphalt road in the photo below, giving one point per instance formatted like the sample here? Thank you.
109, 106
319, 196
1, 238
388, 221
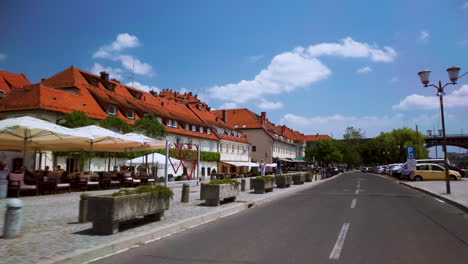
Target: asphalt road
354, 218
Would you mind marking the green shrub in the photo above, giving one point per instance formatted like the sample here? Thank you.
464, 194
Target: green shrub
157, 191
265, 178
225, 181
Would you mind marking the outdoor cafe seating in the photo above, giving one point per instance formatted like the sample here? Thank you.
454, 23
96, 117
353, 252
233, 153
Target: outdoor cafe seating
16, 185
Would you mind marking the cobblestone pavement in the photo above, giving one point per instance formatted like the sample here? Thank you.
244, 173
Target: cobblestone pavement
50, 228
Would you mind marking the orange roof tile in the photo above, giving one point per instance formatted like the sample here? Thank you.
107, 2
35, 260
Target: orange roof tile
317, 137
9, 80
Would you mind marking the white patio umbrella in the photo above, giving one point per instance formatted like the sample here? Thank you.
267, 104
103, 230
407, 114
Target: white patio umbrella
29, 133
156, 157
148, 143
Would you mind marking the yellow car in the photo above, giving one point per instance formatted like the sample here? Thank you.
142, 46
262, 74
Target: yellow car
430, 171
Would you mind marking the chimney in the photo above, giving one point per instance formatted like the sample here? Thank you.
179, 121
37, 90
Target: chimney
263, 118
104, 76
225, 118
283, 129
43, 79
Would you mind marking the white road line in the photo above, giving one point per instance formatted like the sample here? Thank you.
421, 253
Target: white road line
353, 203
336, 252
439, 200
357, 191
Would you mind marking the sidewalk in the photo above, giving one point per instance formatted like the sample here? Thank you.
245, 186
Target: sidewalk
51, 233
458, 189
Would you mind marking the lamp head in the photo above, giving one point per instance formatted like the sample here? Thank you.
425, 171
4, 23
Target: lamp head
424, 76
453, 73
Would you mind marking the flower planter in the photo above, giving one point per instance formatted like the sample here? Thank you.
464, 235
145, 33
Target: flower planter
308, 177
298, 179
263, 185
283, 181
215, 193
106, 212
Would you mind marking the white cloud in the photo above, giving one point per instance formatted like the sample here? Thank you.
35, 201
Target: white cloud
424, 35
364, 69
350, 48
254, 59
298, 68
267, 105
122, 41
465, 5
133, 64
3, 56
143, 87
395, 79
228, 105
113, 51
183, 90
114, 73
458, 98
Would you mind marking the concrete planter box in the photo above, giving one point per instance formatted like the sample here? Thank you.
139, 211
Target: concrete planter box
106, 212
263, 185
202, 191
308, 177
298, 179
283, 181
215, 193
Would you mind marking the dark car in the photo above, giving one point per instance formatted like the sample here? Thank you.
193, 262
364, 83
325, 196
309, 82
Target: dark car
458, 169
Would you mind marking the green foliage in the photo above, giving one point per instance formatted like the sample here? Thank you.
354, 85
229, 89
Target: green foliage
77, 119
224, 181
210, 156
265, 178
325, 151
150, 126
157, 191
114, 123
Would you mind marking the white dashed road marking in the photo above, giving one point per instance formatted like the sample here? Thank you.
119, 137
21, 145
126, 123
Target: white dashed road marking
336, 252
353, 203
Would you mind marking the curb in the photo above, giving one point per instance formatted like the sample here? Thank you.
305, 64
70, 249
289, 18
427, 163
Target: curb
451, 202
121, 245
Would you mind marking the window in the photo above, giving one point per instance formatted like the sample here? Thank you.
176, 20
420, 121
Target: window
254, 148
169, 123
131, 114
243, 150
244, 126
201, 130
194, 128
238, 149
232, 148
177, 141
221, 147
160, 120
187, 127
203, 171
94, 83
175, 124
190, 141
423, 167
112, 110
236, 126
437, 168
208, 131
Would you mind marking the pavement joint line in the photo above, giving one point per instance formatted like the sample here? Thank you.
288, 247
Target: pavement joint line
353, 203
336, 251
111, 248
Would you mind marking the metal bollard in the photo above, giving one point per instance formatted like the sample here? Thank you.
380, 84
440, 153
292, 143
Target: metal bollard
243, 185
13, 215
83, 213
185, 193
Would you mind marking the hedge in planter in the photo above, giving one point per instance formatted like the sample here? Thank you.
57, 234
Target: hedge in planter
217, 190
308, 177
283, 181
107, 211
298, 178
263, 184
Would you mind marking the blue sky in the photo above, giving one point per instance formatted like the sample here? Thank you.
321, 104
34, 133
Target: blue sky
316, 66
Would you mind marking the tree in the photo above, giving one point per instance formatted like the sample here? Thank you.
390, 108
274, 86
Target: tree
116, 124
77, 119
351, 147
324, 151
150, 126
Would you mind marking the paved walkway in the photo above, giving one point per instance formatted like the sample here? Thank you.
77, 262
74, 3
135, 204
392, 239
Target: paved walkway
458, 189
50, 228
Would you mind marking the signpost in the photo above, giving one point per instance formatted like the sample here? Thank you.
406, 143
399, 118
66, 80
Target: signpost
411, 158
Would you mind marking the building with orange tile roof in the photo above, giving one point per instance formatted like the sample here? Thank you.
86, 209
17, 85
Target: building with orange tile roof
267, 141
297, 137
9, 80
311, 139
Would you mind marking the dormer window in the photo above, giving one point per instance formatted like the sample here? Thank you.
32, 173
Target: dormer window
187, 127
201, 130
244, 126
208, 131
94, 83
112, 110
138, 96
175, 124
236, 126
169, 123
194, 128
131, 114
111, 87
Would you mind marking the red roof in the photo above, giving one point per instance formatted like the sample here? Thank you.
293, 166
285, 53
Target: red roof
317, 137
9, 80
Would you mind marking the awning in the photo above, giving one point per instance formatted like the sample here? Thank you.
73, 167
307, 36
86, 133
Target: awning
272, 165
292, 161
241, 164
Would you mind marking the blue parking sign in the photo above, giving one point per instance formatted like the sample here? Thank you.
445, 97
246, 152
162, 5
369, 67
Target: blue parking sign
410, 153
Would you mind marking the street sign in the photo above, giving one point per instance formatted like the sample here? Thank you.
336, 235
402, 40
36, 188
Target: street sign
410, 153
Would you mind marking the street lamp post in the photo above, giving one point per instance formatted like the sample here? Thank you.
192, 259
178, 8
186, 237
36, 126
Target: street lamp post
453, 73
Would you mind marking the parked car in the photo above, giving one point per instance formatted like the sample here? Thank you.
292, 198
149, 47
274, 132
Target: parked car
431, 171
458, 169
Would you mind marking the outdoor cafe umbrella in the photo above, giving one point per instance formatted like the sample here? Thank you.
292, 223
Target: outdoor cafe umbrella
29, 133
